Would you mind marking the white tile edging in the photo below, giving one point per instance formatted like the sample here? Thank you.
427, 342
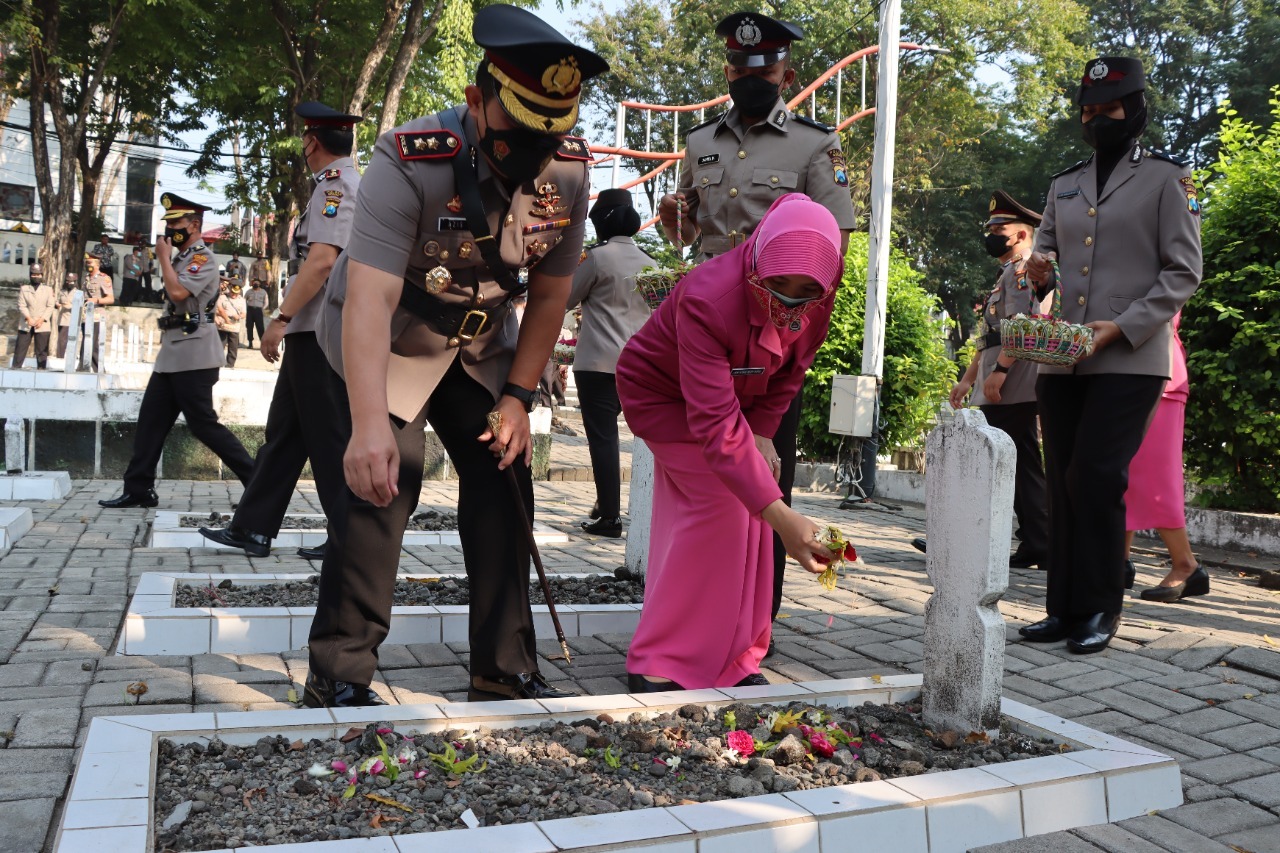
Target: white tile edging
154, 625
15, 521
167, 532
35, 486
1104, 780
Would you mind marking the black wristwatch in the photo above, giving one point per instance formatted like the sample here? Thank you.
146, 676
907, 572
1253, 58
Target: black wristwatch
524, 395
1000, 368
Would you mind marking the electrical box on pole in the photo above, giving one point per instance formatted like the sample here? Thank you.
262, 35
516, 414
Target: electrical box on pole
853, 406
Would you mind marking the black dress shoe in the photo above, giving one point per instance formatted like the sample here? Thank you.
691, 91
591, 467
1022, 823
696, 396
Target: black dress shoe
1048, 630
522, 685
771, 650
1026, 559
755, 679
1197, 583
608, 527
1093, 634
595, 511
253, 544
920, 544
640, 684
1131, 574
321, 692
147, 499
315, 552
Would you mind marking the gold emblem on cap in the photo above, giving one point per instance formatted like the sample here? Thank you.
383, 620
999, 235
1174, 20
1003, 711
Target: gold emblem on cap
992, 207
748, 34
563, 77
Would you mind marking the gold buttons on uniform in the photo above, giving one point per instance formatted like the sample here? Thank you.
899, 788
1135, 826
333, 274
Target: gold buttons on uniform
706, 181
510, 218
1088, 241
1093, 211
733, 193
742, 155
1084, 270
444, 254
1081, 300
453, 342
774, 179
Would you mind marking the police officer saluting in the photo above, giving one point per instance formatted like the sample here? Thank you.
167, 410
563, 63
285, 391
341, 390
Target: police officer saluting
187, 365
738, 164
306, 420
458, 212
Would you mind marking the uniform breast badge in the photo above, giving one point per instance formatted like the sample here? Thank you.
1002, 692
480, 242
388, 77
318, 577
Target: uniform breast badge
464, 251
332, 198
454, 204
431, 248
547, 203
437, 280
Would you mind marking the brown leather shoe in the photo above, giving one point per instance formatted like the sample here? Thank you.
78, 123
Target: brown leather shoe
522, 685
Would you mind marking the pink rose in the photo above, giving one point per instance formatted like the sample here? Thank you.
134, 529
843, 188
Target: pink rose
741, 742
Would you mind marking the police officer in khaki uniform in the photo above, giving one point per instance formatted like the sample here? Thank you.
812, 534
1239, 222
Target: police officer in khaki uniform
99, 290
70, 282
738, 164
35, 315
1124, 226
457, 213
187, 365
1004, 387
306, 419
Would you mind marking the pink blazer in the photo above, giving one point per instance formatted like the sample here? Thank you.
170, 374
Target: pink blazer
709, 367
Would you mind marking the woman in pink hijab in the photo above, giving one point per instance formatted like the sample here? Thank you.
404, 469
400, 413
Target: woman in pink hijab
705, 383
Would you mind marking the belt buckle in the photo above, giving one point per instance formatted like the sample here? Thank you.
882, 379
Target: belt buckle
467, 337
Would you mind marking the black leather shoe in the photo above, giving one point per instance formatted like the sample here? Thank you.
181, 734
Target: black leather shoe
595, 511
755, 679
321, 692
1026, 559
1197, 583
1048, 630
522, 685
608, 527
1131, 574
920, 544
1093, 634
316, 552
771, 650
640, 684
253, 544
147, 499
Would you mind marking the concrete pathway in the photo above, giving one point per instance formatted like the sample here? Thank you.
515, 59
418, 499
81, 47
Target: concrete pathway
1200, 681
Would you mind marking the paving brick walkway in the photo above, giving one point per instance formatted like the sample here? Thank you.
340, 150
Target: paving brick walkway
1200, 681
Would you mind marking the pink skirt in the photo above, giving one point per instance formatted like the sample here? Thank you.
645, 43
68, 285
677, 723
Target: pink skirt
1157, 496
709, 588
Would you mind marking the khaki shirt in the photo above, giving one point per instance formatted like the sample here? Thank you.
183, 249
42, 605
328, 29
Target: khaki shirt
326, 219
202, 349
260, 271
1013, 295
409, 221
605, 285
36, 303
731, 174
65, 295
1131, 256
98, 286
255, 297
235, 269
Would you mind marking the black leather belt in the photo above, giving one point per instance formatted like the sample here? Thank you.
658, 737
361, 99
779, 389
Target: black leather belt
182, 321
460, 324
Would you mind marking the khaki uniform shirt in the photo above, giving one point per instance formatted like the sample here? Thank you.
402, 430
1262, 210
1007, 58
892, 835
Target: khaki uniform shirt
235, 270
1131, 256
409, 221
1012, 295
36, 303
327, 219
202, 349
260, 271
731, 174
255, 297
98, 286
65, 295
605, 286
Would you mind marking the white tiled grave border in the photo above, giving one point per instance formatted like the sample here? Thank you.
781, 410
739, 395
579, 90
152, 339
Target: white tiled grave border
14, 522
35, 486
153, 624
167, 532
1105, 779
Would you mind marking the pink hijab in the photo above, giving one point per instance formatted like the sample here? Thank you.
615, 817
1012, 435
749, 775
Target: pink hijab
797, 236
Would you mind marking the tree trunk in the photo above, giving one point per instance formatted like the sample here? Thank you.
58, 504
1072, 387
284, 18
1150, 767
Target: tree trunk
416, 34
377, 52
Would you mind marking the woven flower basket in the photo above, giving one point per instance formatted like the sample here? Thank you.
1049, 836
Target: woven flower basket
1046, 338
564, 352
655, 285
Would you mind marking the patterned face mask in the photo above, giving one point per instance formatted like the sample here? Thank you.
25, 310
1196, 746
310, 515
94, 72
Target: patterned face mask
781, 314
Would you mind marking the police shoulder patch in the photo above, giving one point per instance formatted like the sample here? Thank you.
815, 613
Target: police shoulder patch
574, 148
825, 128
426, 144
1164, 155
1071, 168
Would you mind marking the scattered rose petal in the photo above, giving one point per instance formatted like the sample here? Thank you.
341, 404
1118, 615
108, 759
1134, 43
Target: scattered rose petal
830, 620
385, 731
339, 766
377, 767
419, 774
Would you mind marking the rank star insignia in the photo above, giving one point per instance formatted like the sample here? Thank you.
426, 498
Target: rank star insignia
420, 144
433, 143
748, 34
455, 204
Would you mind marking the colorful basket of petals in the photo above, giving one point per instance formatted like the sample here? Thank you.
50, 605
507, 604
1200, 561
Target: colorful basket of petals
1046, 338
564, 351
655, 284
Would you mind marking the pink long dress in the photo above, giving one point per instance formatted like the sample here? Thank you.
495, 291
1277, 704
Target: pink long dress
707, 371
1157, 495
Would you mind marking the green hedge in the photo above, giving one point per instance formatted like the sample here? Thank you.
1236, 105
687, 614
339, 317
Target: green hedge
917, 373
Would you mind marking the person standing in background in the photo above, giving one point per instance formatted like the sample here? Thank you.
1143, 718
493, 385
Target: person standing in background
129, 289
35, 315
255, 302
69, 284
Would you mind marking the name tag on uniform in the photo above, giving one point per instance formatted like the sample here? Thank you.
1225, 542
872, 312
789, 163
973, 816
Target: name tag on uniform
708, 158
452, 223
746, 371
1070, 193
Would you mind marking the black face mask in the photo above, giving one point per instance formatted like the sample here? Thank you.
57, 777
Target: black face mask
520, 155
753, 95
177, 236
997, 245
1106, 134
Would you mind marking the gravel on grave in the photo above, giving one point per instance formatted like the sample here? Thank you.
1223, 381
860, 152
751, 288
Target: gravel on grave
619, 588
428, 520
211, 796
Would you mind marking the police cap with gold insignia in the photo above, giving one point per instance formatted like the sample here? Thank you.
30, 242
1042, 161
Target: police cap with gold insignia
1005, 208
176, 207
316, 115
537, 72
753, 40
1110, 78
